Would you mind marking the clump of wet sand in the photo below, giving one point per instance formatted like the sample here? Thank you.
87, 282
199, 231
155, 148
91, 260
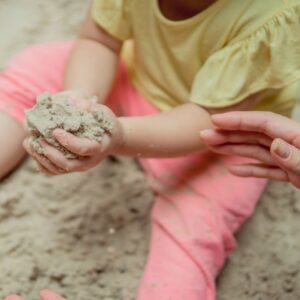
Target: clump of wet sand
56, 111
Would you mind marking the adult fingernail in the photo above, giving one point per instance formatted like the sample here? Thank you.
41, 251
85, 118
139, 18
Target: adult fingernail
206, 133
282, 149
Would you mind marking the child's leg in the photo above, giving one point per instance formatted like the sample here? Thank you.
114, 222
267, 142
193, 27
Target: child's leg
12, 135
31, 72
198, 208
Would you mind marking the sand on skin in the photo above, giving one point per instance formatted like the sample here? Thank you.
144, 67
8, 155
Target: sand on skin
57, 111
85, 235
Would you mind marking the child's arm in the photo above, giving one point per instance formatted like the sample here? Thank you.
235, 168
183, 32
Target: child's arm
166, 134
169, 134
93, 61
11, 136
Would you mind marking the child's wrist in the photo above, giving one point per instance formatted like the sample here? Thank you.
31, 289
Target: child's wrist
118, 139
77, 93
118, 144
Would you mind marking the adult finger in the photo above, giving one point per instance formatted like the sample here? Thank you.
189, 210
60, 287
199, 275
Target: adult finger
271, 124
49, 295
251, 151
259, 171
287, 155
288, 158
218, 137
79, 146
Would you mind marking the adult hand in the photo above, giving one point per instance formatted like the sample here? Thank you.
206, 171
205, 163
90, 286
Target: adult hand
44, 295
90, 152
272, 139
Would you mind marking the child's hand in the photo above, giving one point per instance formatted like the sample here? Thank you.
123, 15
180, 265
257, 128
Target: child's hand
90, 152
44, 295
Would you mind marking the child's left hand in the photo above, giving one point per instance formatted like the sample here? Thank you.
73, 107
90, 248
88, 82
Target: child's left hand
90, 152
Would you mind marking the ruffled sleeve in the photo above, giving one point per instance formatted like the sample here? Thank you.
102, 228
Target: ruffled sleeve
267, 59
114, 17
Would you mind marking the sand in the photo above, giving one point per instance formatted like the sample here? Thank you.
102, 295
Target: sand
56, 111
86, 235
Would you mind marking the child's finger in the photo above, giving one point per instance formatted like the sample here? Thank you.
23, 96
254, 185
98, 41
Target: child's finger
46, 164
79, 146
259, 171
13, 297
61, 162
42, 160
43, 170
83, 104
218, 137
26, 146
49, 295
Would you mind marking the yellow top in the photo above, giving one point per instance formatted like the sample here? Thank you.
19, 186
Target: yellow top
217, 58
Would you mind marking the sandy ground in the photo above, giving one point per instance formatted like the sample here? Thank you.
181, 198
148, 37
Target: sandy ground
86, 235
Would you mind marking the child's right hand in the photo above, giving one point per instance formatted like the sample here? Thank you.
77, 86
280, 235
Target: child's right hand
90, 152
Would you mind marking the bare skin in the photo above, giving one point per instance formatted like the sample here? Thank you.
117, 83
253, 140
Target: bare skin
272, 139
44, 295
13, 134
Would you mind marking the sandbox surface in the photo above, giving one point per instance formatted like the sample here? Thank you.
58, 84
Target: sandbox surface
86, 235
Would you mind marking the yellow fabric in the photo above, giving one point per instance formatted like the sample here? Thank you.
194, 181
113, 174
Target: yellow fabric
216, 58
114, 16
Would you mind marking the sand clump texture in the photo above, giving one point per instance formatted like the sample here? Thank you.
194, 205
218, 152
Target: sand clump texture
51, 112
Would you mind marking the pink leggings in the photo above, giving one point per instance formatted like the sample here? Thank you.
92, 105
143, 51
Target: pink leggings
198, 204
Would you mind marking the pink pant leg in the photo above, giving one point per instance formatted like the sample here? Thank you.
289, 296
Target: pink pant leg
198, 207
40, 68
34, 70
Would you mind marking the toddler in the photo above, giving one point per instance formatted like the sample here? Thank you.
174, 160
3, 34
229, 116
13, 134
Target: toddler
182, 60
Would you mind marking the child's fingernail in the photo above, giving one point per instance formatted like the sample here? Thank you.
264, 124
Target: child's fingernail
43, 143
58, 132
282, 149
73, 102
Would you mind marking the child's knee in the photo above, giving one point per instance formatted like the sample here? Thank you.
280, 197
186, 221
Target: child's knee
39, 55
32, 71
